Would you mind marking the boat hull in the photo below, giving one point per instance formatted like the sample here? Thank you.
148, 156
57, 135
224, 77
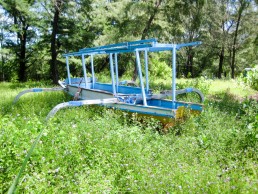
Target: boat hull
158, 108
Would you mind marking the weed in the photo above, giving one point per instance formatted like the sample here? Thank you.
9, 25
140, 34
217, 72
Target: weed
97, 150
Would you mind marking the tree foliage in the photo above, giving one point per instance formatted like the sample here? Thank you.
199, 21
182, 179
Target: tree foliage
35, 34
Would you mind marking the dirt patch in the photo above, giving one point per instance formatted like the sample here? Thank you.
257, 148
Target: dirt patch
254, 97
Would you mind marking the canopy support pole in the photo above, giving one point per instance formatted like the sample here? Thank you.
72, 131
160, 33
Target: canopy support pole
92, 71
84, 71
68, 70
146, 69
116, 65
174, 77
140, 76
112, 73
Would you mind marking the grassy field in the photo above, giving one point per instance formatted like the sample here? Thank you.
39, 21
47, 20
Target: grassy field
97, 150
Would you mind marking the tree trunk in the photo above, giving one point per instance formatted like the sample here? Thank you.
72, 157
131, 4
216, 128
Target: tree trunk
2, 57
243, 5
221, 60
22, 61
53, 63
189, 63
234, 47
22, 53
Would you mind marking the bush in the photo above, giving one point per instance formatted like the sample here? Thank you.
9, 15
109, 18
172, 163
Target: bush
249, 119
159, 68
251, 78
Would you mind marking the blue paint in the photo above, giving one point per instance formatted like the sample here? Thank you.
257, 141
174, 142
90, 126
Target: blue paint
37, 89
140, 112
168, 104
77, 80
127, 99
123, 45
121, 89
104, 87
84, 71
129, 90
189, 90
123, 82
138, 62
179, 46
151, 44
158, 49
75, 103
112, 73
92, 70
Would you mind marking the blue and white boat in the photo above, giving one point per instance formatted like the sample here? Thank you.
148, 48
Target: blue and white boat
87, 90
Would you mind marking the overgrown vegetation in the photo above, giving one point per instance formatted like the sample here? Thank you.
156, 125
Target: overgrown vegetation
251, 78
98, 150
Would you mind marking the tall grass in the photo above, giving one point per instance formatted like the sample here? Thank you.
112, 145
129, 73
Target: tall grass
97, 150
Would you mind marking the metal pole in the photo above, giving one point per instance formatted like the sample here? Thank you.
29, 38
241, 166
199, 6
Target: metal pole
68, 70
84, 71
116, 65
146, 69
140, 76
112, 73
92, 71
174, 77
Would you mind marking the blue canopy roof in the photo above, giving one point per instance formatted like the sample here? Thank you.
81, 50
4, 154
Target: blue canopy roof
149, 44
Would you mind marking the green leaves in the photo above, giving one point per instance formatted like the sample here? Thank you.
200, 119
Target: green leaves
251, 78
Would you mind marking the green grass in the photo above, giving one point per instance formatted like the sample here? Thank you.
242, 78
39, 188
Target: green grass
233, 86
96, 150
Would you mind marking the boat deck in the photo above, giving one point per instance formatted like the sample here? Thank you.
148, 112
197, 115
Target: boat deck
127, 94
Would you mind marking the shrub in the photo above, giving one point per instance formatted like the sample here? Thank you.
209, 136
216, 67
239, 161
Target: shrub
251, 78
159, 69
249, 119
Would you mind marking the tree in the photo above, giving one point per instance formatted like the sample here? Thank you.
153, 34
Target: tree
238, 10
55, 24
153, 10
219, 25
22, 18
121, 21
70, 21
186, 18
37, 32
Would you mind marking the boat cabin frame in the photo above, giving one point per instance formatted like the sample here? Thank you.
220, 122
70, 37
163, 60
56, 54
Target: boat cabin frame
87, 90
146, 46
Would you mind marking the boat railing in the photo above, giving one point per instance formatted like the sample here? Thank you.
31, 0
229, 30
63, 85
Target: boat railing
77, 80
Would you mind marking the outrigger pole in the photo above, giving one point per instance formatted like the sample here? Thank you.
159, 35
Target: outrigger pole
36, 90
79, 103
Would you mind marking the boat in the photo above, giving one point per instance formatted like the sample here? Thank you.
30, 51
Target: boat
120, 94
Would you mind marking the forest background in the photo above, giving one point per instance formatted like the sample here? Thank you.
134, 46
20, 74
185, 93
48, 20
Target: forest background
35, 33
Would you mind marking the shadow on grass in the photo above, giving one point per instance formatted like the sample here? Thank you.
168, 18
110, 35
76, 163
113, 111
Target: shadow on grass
226, 102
